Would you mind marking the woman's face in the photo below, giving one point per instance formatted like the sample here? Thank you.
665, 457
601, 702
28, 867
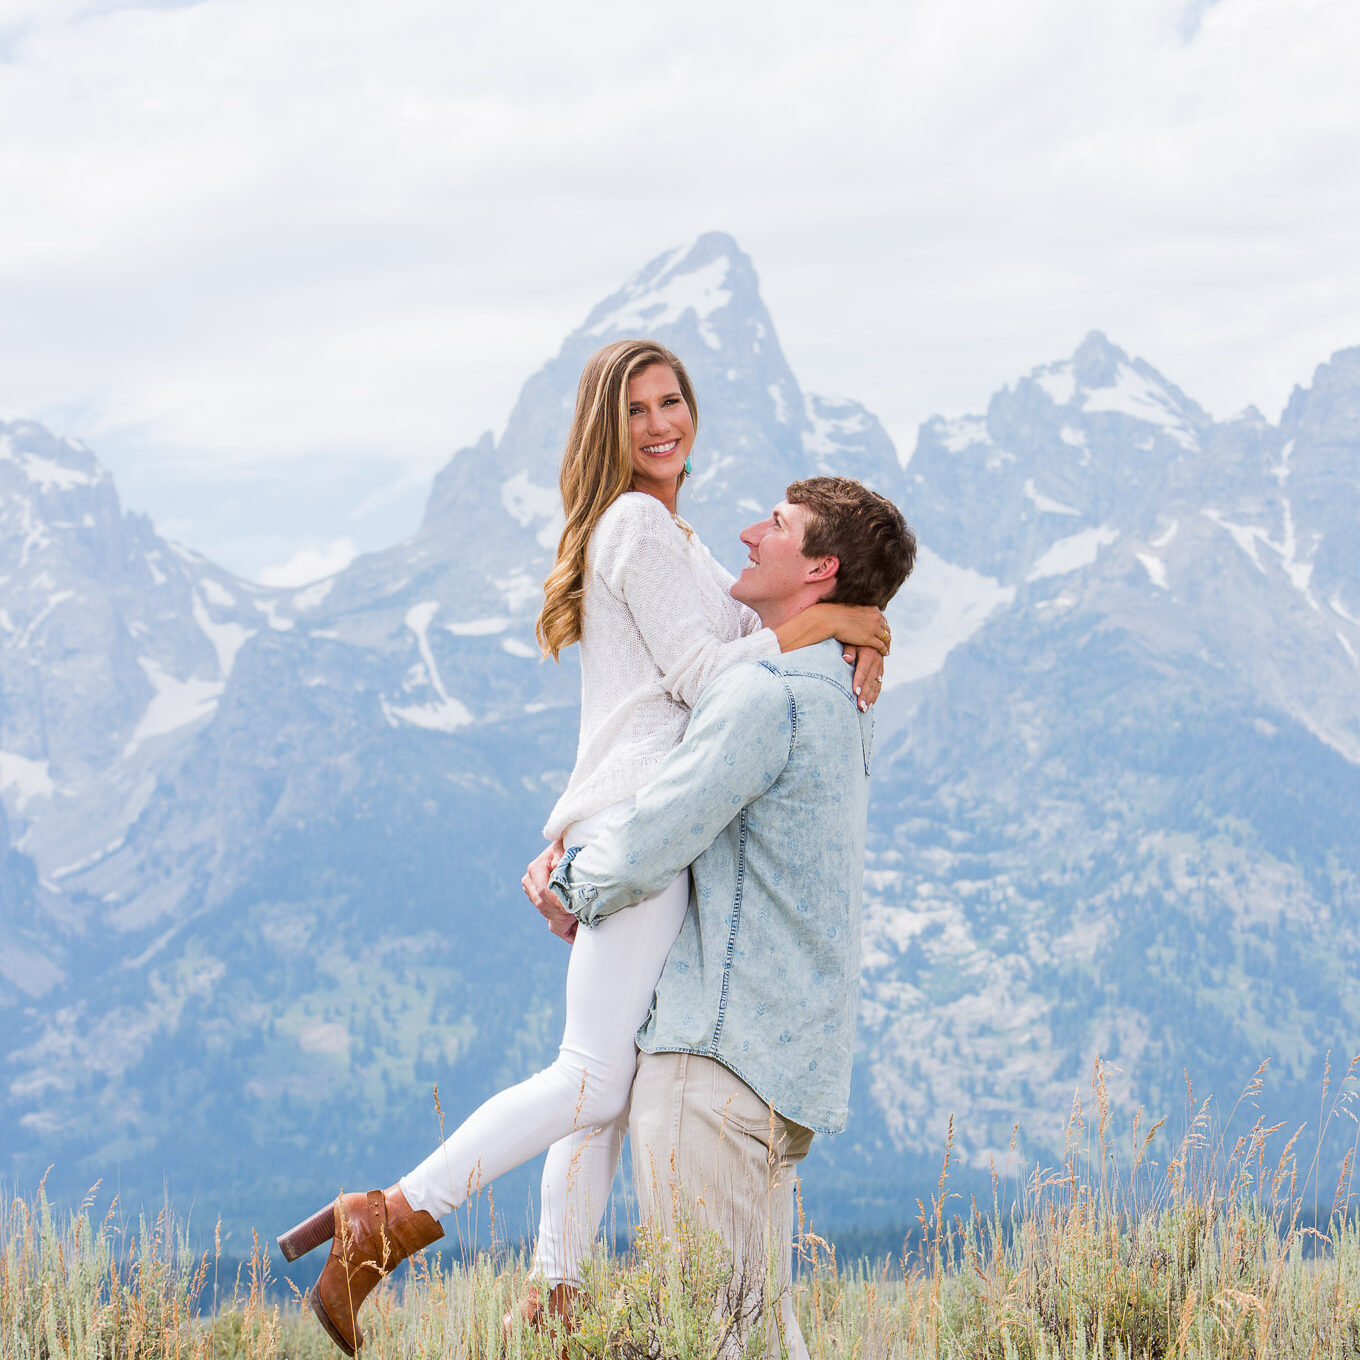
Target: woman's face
660, 431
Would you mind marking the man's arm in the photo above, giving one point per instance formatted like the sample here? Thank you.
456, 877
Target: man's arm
737, 744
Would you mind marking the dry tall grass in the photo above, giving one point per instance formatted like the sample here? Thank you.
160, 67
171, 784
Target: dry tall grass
1215, 1256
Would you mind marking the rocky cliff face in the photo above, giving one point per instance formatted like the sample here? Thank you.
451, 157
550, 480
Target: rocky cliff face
263, 847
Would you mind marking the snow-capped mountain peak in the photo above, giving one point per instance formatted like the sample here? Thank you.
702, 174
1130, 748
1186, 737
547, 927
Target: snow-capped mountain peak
695, 282
1101, 378
46, 463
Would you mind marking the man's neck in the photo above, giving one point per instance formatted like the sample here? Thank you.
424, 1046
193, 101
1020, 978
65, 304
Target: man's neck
773, 613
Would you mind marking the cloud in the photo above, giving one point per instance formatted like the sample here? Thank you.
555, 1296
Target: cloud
310, 564
248, 238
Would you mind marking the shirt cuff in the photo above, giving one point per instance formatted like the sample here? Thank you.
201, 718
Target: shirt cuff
576, 900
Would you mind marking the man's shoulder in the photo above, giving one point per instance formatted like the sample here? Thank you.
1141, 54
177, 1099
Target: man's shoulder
819, 684
776, 681
754, 687
822, 663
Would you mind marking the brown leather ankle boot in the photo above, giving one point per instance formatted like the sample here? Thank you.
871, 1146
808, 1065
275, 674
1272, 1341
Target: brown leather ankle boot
537, 1314
374, 1233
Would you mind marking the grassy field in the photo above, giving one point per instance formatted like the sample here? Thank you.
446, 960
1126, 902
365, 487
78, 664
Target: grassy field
1216, 1254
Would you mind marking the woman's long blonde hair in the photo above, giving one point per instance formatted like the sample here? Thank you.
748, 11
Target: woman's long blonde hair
597, 468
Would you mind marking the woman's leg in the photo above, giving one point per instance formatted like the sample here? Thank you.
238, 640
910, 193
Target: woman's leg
577, 1177
580, 1168
610, 980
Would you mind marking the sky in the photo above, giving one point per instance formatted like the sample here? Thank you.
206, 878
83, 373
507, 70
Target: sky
275, 261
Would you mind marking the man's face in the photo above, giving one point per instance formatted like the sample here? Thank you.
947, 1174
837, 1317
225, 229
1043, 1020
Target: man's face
776, 572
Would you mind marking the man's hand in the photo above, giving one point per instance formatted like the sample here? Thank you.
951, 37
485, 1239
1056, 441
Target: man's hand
535, 884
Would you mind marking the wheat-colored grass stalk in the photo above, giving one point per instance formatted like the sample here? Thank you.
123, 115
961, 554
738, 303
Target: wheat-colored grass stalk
1212, 1257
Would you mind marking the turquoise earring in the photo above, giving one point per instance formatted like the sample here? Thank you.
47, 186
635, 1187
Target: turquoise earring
689, 467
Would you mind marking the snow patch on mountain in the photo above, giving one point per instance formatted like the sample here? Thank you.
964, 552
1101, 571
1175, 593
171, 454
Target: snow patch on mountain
280, 623
1242, 534
311, 596
1281, 469
447, 714
963, 433
57, 597
517, 590
939, 609
89, 861
1155, 568
1300, 573
526, 503
1132, 394
48, 473
24, 779
1046, 504
227, 638
479, 627
1058, 382
216, 594
830, 420
175, 704
1251, 539
1073, 552
1342, 743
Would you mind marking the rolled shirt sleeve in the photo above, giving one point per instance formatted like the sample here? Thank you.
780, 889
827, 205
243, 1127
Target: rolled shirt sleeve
737, 744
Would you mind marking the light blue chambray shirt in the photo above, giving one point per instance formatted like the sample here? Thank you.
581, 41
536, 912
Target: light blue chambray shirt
766, 797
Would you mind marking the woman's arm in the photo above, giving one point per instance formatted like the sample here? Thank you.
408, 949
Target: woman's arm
644, 560
854, 625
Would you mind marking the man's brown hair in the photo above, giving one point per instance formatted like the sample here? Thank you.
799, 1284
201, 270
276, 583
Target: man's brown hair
863, 530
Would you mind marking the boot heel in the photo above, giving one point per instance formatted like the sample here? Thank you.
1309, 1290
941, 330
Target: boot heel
308, 1234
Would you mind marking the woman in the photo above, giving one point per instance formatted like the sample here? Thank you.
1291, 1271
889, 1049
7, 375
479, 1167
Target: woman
651, 611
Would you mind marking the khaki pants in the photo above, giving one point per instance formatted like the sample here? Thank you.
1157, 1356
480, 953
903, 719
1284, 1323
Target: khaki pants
704, 1141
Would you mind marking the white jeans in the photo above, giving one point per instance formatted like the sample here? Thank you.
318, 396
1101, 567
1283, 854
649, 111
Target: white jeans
578, 1106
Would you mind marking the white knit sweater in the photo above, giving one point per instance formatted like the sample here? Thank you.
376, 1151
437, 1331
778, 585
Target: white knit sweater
658, 625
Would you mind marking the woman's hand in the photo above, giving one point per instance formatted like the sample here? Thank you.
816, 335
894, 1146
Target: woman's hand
535, 884
868, 681
861, 625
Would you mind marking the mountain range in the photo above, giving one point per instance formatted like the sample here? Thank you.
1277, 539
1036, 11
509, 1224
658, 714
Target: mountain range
261, 848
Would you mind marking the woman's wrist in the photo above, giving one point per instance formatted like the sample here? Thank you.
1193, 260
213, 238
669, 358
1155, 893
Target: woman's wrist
814, 624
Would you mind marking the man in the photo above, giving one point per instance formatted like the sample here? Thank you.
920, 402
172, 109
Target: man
746, 1053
